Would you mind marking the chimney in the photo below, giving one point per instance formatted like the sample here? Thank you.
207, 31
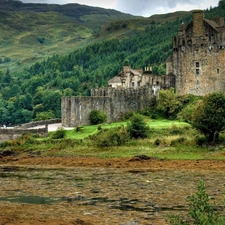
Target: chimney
198, 23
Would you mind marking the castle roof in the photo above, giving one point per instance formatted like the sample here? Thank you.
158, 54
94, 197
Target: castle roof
135, 72
115, 79
213, 24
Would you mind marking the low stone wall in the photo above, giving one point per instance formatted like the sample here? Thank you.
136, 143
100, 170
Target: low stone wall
39, 123
12, 134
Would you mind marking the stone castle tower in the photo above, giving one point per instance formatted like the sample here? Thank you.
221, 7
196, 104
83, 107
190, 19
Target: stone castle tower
198, 58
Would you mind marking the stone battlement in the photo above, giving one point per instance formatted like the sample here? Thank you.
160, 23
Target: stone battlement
113, 102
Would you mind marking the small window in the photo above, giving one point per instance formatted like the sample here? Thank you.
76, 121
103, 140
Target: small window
132, 84
197, 71
139, 84
218, 71
197, 64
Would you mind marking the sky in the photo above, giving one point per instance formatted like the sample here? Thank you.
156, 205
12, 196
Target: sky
144, 8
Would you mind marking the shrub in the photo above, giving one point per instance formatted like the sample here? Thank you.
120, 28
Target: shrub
178, 141
112, 137
175, 130
200, 210
208, 116
157, 142
97, 117
59, 133
200, 140
137, 127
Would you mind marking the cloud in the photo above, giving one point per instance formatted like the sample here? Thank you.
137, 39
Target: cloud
99, 3
147, 8
140, 7
60, 2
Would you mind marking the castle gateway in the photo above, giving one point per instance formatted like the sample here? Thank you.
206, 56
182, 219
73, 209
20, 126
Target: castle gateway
198, 58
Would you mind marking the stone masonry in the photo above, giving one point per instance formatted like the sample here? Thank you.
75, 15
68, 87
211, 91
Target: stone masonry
113, 102
198, 58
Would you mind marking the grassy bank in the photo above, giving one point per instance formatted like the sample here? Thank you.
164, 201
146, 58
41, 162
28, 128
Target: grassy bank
167, 140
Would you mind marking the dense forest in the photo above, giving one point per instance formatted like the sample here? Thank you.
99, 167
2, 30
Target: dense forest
35, 93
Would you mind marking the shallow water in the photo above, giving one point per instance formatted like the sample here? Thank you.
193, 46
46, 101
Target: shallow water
120, 195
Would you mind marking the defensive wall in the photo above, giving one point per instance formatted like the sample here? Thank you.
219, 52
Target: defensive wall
18, 131
38, 123
113, 102
11, 134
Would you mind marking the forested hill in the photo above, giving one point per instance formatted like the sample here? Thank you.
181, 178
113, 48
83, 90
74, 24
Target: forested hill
35, 93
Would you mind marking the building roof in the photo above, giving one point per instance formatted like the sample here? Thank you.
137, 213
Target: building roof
115, 79
135, 72
211, 23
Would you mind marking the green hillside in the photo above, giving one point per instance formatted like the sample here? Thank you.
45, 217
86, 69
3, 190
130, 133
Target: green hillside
31, 32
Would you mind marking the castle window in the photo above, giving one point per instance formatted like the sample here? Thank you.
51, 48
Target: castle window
197, 71
197, 64
218, 71
139, 84
132, 84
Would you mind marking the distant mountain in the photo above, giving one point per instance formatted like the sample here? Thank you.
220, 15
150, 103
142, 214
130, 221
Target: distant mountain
30, 32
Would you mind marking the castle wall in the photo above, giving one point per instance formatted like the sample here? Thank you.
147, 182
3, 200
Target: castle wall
113, 102
200, 71
198, 56
76, 110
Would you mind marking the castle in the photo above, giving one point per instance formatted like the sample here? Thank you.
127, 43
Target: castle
196, 66
198, 58
130, 78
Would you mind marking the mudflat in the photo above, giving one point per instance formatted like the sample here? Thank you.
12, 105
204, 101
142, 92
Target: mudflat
86, 190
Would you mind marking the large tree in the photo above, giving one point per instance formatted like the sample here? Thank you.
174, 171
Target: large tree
209, 115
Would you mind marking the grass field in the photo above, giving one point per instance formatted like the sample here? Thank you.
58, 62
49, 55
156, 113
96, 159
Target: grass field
167, 140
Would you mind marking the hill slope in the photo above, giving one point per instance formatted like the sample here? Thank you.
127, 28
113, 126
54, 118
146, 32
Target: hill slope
30, 32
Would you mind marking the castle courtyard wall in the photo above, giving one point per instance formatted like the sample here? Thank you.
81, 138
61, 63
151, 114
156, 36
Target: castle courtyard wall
113, 102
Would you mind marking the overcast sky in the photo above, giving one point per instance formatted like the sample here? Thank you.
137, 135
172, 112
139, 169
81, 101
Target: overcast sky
140, 7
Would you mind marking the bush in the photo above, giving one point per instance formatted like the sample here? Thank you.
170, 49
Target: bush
200, 140
178, 141
97, 117
157, 142
137, 127
112, 137
200, 210
208, 116
59, 133
175, 130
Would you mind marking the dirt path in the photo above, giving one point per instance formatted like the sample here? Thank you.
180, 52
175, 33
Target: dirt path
138, 162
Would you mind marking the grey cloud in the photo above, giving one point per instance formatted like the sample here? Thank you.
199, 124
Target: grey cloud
149, 7
46, 1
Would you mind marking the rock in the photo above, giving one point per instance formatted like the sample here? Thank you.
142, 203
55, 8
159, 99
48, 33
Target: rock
140, 158
7, 152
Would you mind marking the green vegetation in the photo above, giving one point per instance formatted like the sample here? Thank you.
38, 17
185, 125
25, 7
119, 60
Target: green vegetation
200, 211
209, 116
97, 117
167, 139
137, 127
